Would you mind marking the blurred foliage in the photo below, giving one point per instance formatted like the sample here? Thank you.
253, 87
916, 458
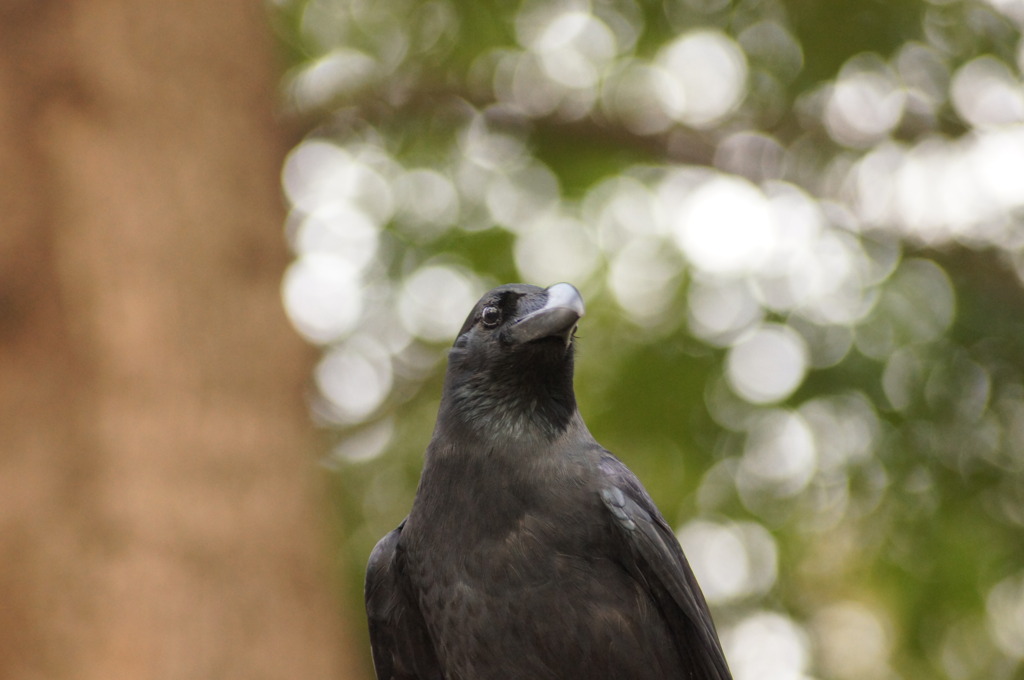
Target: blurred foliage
798, 228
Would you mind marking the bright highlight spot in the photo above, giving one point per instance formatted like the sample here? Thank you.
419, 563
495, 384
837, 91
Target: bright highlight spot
721, 311
323, 296
725, 226
319, 175
707, 77
865, 103
574, 48
986, 93
731, 561
342, 71
343, 231
780, 456
556, 249
1005, 606
768, 365
434, 302
362, 445
767, 646
354, 380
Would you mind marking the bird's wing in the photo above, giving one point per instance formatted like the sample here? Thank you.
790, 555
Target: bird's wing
401, 646
653, 556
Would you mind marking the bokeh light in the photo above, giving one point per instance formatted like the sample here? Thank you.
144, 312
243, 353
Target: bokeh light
767, 364
321, 294
434, 301
731, 561
1005, 609
865, 104
724, 226
354, 379
702, 96
767, 646
852, 641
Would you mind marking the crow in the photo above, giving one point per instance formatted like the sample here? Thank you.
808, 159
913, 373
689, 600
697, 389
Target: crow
530, 551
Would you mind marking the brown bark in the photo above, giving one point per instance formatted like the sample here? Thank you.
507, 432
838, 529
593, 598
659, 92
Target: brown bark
159, 512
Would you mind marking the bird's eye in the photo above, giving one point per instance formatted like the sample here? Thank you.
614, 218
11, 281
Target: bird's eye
491, 316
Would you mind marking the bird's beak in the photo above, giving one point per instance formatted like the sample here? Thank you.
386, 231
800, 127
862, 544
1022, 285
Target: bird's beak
557, 318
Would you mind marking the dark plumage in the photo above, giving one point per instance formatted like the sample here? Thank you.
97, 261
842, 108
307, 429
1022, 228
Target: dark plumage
530, 551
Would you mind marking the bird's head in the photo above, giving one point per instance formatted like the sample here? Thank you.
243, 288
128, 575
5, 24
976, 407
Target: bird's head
510, 369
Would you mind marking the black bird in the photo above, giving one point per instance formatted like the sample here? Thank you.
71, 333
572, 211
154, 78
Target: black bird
530, 551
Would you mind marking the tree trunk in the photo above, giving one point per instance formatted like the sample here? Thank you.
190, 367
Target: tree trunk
160, 511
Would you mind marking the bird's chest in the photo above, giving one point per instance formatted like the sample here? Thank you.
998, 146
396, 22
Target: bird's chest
497, 519
500, 567
499, 608
499, 540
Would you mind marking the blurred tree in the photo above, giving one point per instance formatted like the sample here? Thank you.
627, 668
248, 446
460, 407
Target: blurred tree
798, 228
159, 515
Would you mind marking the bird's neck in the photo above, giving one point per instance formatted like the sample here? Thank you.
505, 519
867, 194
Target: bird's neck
525, 407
